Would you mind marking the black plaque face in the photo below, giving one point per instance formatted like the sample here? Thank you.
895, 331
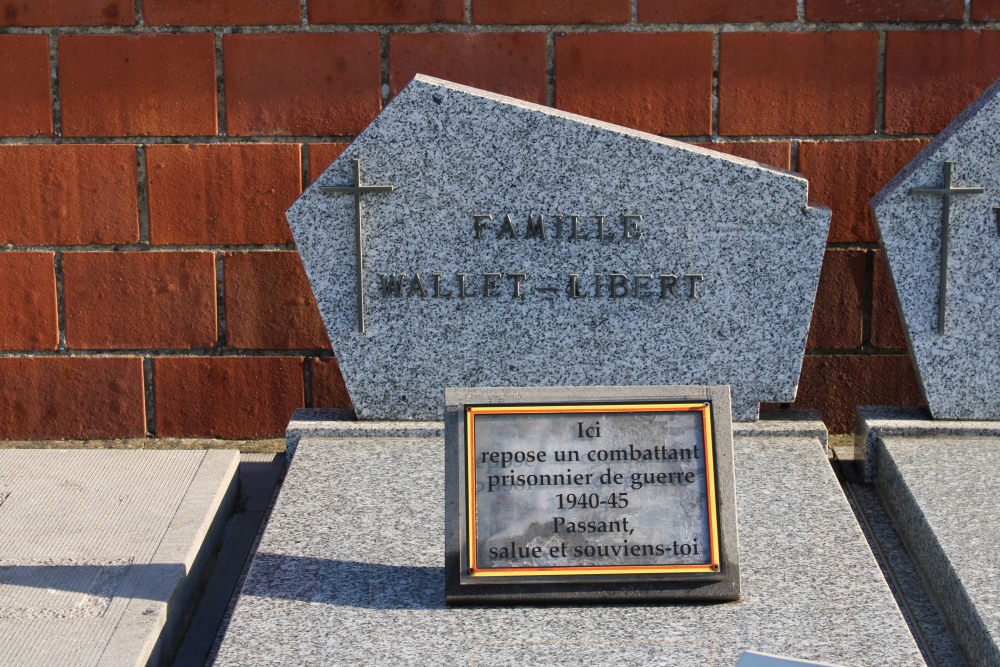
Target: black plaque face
594, 497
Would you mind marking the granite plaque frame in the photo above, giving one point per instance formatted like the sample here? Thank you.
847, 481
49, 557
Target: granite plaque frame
586, 494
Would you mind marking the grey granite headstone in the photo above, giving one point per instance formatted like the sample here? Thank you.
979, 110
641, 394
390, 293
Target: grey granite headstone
940, 228
939, 220
470, 239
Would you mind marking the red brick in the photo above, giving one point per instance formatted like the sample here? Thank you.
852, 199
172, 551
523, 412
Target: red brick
220, 12
930, 77
837, 385
511, 12
886, 325
219, 193
68, 194
322, 156
845, 175
28, 319
301, 84
838, 313
43, 13
798, 83
269, 304
25, 96
884, 10
137, 85
328, 388
387, 11
657, 82
510, 64
985, 10
715, 11
775, 153
132, 300
226, 397
72, 398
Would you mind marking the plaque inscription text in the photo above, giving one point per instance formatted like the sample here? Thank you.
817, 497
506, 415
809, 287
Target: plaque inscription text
591, 490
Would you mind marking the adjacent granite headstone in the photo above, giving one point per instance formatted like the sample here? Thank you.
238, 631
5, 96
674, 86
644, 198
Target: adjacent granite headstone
470, 239
939, 221
591, 493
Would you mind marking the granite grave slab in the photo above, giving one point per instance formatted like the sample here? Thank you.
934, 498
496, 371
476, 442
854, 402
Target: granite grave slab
937, 480
946, 513
348, 575
915, 602
468, 239
939, 221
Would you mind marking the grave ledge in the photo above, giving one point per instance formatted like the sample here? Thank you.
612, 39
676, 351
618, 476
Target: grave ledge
945, 513
330, 423
877, 422
345, 578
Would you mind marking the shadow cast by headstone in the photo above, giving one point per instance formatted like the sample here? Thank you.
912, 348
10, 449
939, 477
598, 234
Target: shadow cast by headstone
346, 583
150, 581
258, 480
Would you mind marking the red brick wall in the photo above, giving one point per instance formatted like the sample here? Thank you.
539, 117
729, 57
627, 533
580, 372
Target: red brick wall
148, 149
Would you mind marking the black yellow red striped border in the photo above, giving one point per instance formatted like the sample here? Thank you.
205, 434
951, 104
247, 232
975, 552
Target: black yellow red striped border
704, 407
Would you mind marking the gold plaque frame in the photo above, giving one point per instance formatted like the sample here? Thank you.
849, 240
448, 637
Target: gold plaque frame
711, 505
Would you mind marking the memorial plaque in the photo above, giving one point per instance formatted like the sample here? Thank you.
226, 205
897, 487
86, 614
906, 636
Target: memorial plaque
590, 493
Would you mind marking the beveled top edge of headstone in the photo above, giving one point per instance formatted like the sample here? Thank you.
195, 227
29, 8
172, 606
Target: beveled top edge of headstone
944, 135
604, 125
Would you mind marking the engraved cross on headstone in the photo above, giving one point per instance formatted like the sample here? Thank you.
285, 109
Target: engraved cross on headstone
357, 189
946, 193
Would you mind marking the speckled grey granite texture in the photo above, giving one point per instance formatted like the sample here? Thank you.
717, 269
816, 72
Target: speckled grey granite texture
350, 571
942, 496
738, 233
326, 423
926, 623
881, 422
102, 551
959, 370
779, 423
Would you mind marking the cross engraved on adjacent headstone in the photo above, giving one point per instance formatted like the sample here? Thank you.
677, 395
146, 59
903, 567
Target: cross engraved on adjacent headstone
357, 189
946, 193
